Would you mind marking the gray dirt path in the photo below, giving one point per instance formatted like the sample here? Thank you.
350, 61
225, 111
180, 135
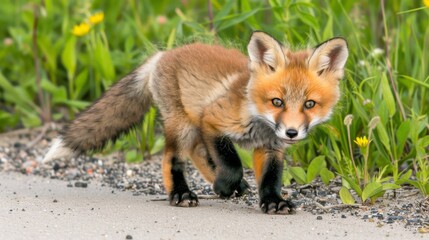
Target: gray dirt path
32, 207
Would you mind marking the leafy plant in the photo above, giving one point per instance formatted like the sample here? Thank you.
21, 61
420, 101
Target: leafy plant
422, 166
368, 188
317, 167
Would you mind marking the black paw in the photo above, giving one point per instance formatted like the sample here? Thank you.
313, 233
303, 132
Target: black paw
226, 184
276, 205
183, 199
242, 189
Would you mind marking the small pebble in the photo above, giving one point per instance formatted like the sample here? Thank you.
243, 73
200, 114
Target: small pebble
319, 218
56, 167
81, 184
17, 145
129, 237
130, 173
389, 221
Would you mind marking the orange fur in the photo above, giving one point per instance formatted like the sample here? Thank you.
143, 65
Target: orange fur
259, 158
166, 171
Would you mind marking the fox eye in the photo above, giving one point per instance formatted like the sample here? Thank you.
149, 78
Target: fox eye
309, 104
277, 102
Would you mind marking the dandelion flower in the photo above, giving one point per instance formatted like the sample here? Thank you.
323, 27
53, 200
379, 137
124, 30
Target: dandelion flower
426, 3
81, 29
362, 141
374, 121
377, 52
96, 18
366, 102
348, 120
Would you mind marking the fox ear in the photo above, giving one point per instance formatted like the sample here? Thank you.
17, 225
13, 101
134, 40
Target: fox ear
330, 56
265, 51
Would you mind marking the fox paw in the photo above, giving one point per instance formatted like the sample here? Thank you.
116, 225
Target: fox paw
183, 199
277, 205
226, 186
242, 189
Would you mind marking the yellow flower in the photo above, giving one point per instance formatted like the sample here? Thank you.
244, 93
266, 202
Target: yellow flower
81, 29
426, 3
362, 141
96, 18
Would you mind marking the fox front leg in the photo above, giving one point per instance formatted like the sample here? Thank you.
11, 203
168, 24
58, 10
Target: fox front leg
229, 171
268, 166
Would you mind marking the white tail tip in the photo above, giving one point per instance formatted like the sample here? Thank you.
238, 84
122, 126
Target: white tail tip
57, 150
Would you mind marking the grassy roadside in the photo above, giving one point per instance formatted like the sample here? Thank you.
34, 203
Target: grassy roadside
57, 56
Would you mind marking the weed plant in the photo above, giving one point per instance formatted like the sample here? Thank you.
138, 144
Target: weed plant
57, 56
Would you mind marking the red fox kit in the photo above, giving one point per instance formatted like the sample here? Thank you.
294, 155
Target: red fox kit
210, 97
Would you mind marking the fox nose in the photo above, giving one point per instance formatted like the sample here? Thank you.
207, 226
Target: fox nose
291, 133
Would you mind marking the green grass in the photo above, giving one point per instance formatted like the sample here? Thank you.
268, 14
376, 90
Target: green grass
52, 75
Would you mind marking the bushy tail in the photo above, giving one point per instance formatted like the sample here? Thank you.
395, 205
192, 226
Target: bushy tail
117, 111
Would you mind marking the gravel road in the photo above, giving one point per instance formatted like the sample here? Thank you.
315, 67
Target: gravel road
33, 207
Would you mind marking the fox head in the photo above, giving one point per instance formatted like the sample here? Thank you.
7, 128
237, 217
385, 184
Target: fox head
294, 91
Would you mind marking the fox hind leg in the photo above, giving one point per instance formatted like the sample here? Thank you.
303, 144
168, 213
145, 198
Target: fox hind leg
202, 161
175, 183
173, 167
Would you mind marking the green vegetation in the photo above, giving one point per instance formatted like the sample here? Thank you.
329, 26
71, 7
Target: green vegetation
57, 56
